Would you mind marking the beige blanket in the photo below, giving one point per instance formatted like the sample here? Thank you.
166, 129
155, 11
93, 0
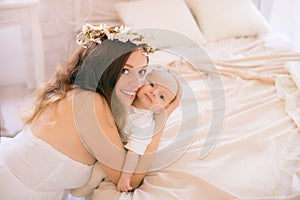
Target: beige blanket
229, 141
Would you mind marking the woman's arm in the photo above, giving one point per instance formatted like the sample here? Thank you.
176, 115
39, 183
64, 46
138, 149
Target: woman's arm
116, 150
96, 126
111, 147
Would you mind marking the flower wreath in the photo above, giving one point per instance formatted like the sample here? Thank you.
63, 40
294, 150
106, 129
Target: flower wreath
97, 32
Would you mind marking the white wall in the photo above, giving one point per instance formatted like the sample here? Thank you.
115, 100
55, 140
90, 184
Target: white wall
18, 63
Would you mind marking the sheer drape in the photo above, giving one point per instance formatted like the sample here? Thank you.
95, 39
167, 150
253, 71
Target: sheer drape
284, 17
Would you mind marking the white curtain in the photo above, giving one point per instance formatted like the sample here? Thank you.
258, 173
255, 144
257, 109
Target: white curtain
284, 17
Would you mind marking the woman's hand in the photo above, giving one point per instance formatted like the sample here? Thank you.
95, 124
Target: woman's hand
175, 103
161, 117
165, 113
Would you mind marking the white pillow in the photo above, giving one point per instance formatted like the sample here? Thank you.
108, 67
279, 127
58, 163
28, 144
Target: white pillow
220, 19
100, 11
173, 15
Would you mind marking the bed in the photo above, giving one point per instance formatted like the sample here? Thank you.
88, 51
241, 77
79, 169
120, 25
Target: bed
236, 132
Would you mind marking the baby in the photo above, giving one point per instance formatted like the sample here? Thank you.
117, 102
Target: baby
154, 96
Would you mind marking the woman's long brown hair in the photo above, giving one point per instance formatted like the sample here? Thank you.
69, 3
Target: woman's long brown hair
95, 68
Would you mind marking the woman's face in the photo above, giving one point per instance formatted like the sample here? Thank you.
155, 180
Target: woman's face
132, 77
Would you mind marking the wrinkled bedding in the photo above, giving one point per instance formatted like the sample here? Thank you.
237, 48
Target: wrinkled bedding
233, 140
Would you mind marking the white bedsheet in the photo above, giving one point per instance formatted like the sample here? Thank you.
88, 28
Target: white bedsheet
254, 152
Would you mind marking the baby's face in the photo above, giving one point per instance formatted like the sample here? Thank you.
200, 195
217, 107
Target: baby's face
153, 96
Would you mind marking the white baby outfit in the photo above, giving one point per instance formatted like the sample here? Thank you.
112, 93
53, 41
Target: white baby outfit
31, 169
139, 129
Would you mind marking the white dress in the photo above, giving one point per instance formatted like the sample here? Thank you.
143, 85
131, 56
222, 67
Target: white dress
31, 169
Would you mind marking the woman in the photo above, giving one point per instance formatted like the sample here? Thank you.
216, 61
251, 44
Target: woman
58, 145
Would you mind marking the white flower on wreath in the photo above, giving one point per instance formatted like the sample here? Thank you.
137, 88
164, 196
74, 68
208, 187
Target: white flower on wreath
96, 32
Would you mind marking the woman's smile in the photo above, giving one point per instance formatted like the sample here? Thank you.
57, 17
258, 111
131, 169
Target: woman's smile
129, 93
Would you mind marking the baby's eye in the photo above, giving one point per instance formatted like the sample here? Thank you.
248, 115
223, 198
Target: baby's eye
161, 96
125, 71
151, 84
142, 72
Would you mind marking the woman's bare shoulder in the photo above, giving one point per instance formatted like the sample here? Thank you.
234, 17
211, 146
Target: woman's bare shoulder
87, 95
103, 111
83, 100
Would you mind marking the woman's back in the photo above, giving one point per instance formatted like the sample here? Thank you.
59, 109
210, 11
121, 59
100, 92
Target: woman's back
56, 126
46, 158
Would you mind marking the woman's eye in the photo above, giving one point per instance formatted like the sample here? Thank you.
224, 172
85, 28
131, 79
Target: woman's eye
125, 71
161, 96
151, 84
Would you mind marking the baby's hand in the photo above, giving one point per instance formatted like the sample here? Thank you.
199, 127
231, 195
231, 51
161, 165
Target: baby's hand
124, 184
